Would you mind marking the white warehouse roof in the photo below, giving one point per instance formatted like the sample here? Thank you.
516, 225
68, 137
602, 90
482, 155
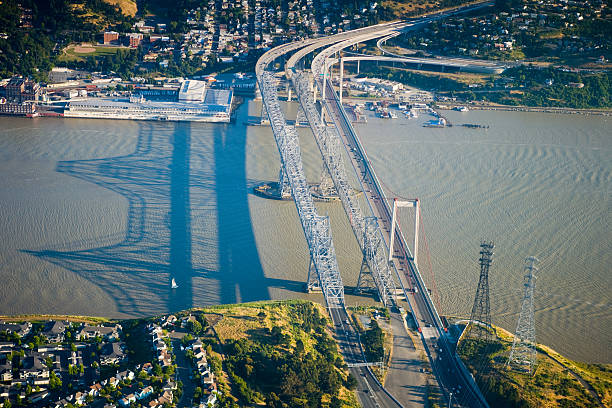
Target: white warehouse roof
192, 91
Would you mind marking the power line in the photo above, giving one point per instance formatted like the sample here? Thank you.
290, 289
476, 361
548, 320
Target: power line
523, 354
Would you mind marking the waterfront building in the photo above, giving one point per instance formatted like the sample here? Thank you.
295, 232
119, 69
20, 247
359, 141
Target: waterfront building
20, 90
192, 102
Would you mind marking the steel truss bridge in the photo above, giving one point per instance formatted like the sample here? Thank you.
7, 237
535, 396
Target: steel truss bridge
372, 237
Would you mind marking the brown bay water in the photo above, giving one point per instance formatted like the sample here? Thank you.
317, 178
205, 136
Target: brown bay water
97, 216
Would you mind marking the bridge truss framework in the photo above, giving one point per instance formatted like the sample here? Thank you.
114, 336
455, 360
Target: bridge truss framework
316, 227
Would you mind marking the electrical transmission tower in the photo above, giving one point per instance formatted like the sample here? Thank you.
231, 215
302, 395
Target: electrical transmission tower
523, 353
479, 328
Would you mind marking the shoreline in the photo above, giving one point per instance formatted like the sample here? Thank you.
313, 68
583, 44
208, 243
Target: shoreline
98, 319
542, 109
507, 108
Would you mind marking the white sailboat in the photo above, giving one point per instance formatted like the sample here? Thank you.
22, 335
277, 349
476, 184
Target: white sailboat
174, 285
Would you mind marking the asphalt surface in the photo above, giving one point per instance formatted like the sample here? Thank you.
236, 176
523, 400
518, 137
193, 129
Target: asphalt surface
369, 391
406, 379
183, 370
445, 364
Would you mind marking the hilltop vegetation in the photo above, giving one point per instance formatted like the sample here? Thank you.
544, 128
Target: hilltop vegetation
127, 7
388, 10
281, 354
36, 31
552, 384
523, 85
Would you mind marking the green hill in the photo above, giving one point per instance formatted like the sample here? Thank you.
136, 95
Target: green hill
556, 382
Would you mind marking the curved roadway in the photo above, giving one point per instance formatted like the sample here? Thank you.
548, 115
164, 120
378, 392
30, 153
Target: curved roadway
450, 372
447, 367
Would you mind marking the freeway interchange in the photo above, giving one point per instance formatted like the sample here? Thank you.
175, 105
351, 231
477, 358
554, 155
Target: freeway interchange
452, 376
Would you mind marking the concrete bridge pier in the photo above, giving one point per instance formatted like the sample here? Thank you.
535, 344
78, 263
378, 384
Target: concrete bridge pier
263, 117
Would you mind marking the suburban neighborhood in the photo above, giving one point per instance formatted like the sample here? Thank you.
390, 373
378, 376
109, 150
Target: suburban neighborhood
57, 363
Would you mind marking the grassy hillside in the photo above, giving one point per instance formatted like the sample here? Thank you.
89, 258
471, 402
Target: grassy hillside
281, 354
128, 7
551, 385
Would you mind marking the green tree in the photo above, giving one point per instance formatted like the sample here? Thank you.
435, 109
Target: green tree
194, 327
351, 382
373, 342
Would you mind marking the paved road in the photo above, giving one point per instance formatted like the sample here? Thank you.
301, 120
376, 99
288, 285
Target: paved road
443, 359
405, 380
183, 370
445, 364
369, 391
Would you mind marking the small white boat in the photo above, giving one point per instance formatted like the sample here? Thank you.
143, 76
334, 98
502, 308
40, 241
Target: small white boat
174, 285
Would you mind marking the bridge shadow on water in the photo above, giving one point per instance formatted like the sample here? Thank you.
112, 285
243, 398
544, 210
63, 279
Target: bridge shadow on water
188, 218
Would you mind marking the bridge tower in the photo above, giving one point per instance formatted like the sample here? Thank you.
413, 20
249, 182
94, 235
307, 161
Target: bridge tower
523, 353
371, 240
479, 328
263, 116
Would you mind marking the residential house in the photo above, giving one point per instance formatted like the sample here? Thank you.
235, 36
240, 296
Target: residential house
148, 368
165, 398
207, 377
123, 375
112, 353
164, 358
169, 386
34, 369
21, 329
212, 399
144, 393
6, 347
54, 331
79, 398
6, 371
168, 321
37, 397
94, 390
111, 333
127, 400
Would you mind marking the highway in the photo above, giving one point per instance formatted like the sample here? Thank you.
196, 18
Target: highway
451, 374
369, 390
445, 364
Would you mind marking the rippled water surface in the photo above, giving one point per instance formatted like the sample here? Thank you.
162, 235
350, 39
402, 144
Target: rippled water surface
97, 216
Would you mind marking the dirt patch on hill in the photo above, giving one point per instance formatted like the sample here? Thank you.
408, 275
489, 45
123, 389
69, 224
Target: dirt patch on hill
84, 49
128, 7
